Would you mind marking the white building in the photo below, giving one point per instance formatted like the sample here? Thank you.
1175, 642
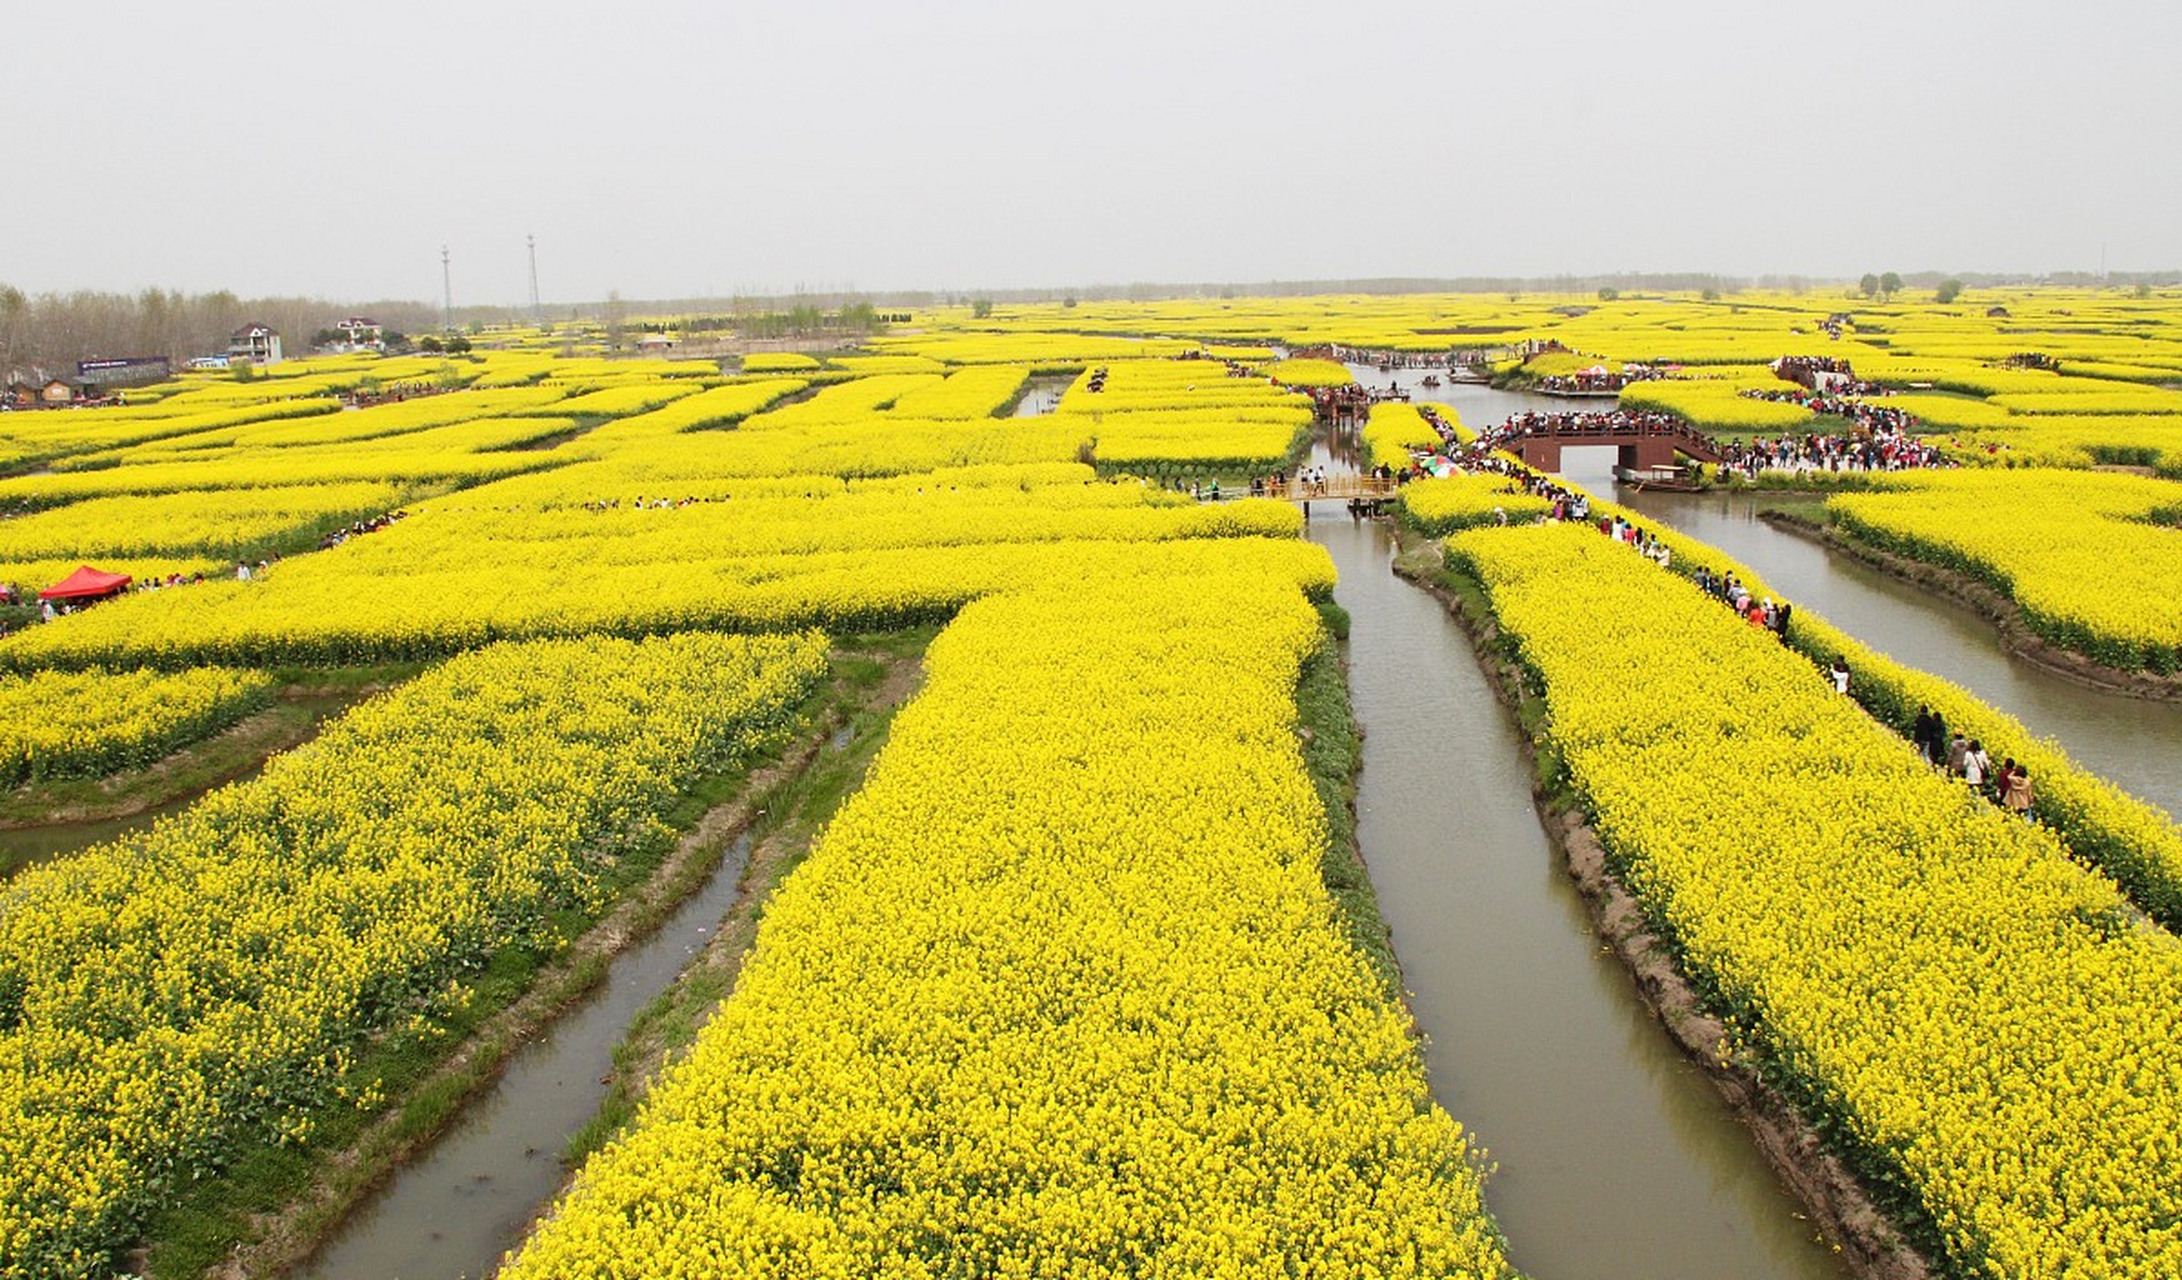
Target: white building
256, 343
359, 333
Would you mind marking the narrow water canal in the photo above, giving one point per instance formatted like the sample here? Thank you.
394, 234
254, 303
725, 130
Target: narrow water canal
1617, 1160
25, 847
2134, 743
470, 1197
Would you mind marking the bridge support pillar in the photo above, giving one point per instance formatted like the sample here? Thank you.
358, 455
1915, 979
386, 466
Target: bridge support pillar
1647, 453
1539, 454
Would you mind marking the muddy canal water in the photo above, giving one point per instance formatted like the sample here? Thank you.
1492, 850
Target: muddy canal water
469, 1199
1617, 1159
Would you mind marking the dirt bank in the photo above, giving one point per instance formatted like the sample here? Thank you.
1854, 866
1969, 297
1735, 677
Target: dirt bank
1839, 1207
2016, 635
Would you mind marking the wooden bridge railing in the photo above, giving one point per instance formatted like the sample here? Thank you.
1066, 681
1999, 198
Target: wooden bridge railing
1332, 488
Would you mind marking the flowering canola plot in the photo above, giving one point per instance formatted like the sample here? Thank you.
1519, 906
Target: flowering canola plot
2086, 555
1972, 1011
62, 724
165, 995
1059, 993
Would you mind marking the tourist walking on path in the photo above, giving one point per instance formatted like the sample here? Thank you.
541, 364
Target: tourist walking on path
2015, 794
1976, 766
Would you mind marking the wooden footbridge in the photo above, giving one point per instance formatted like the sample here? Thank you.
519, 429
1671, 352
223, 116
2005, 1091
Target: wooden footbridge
1333, 487
1361, 492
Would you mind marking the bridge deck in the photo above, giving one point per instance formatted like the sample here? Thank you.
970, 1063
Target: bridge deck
1333, 488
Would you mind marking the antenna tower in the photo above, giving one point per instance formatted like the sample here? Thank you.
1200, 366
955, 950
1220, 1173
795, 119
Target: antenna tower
537, 317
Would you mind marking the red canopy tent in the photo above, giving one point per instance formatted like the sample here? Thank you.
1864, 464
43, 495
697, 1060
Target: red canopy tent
86, 582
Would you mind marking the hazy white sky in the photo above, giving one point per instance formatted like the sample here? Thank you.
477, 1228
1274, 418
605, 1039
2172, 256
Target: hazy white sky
672, 148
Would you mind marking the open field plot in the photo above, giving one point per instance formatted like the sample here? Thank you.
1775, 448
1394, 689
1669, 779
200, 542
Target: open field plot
318, 908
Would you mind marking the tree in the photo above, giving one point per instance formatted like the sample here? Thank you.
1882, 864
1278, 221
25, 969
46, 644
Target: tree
1949, 290
981, 308
1710, 295
861, 317
616, 318
1869, 285
457, 345
1889, 285
1609, 295
429, 344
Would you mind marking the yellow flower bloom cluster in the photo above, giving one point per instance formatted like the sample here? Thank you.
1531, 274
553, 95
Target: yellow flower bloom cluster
712, 408
1718, 405
972, 393
845, 402
1165, 417
2078, 551
639, 395
368, 601
1309, 373
50, 435
1043, 351
779, 362
865, 365
1968, 1010
195, 985
2091, 397
378, 422
1443, 504
1394, 429
1060, 992
204, 522
56, 724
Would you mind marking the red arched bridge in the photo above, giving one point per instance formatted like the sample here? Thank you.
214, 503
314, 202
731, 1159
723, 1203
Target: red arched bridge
1649, 443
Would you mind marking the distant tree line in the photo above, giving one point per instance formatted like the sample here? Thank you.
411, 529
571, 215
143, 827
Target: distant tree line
44, 335
802, 320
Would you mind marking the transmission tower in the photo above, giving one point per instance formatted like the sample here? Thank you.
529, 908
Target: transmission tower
537, 317
447, 290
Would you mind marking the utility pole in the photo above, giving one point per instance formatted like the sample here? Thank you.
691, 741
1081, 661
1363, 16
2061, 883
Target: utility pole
537, 317
447, 290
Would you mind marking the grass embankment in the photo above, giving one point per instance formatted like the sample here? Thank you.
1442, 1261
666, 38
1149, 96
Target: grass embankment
1333, 753
277, 1202
303, 702
782, 833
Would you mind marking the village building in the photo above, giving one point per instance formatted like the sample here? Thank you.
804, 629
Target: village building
256, 343
360, 333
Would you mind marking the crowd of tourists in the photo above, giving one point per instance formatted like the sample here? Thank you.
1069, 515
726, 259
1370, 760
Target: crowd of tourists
1866, 415
1610, 422
360, 528
1764, 612
400, 391
1966, 760
1385, 361
1879, 448
1586, 382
